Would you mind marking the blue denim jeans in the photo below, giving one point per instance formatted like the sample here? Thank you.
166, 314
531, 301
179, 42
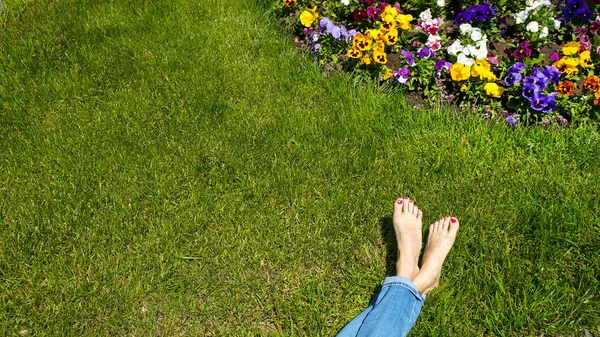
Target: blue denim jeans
392, 313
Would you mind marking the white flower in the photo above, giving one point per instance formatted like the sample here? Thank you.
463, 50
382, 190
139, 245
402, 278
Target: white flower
425, 15
481, 52
465, 28
521, 17
472, 50
466, 51
455, 48
346, 2
476, 34
533, 27
557, 24
465, 60
441, 3
544, 33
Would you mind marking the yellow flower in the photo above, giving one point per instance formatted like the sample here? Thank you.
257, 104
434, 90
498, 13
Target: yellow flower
585, 60
387, 26
362, 42
567, 66
494, 90
403, 21
376, 34
464, 88
379, 46
460, 72
354, 52
380, 57
309, 16
388, 74
389, 14
366, 59
482, 69
570, 48
391, 37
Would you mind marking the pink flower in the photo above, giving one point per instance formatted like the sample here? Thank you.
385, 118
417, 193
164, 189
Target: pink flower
492, 59
554, 56
595, 28
434, 42
598, 50
584, 43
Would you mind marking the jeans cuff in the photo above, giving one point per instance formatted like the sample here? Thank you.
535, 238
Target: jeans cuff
401, 281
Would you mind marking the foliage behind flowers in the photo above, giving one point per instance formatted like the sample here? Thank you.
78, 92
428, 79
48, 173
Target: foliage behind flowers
526, 62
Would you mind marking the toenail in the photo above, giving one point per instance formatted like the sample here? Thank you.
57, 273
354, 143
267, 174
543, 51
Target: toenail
400, 202
453, 220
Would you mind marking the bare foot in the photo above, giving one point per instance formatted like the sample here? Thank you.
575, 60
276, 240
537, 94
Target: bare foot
441, 238
407, 225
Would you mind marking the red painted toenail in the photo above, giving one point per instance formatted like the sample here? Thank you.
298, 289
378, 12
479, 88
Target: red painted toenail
453, 220
400, 202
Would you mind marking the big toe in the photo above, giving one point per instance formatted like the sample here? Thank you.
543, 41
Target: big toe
453, 227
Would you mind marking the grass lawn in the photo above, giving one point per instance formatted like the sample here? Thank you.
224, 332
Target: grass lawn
176, 168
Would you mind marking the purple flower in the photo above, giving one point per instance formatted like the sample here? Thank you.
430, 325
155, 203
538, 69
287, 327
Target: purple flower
512, 78
350, 35
316, 48
374, 13
425, 53
554, 56
538, 81
518, 67
544, 103
401, 75
552, 73
522, 51
512, 120
410, 60
443, 65
324, 24
530, 91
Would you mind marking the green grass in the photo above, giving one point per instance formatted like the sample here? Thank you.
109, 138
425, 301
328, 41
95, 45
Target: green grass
177, 168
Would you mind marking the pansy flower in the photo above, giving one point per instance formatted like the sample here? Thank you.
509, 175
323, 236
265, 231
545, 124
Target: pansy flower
289, 3
522, 51
308, 16
401, 75
591, 83
566, 88
410, 60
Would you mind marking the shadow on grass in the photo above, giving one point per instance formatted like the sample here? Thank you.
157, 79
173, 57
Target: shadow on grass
391, 252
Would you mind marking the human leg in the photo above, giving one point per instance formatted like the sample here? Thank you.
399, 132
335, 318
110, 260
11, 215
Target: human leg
396, 308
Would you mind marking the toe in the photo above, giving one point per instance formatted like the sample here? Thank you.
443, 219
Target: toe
398, 207
405, 203
446, 224
454, 225
439, 224
415, 210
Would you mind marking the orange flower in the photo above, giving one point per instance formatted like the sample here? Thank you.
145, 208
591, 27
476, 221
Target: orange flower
591, 83
289, 3
566, 88
597, 99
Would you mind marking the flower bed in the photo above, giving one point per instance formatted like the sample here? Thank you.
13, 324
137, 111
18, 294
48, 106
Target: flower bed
525, 62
